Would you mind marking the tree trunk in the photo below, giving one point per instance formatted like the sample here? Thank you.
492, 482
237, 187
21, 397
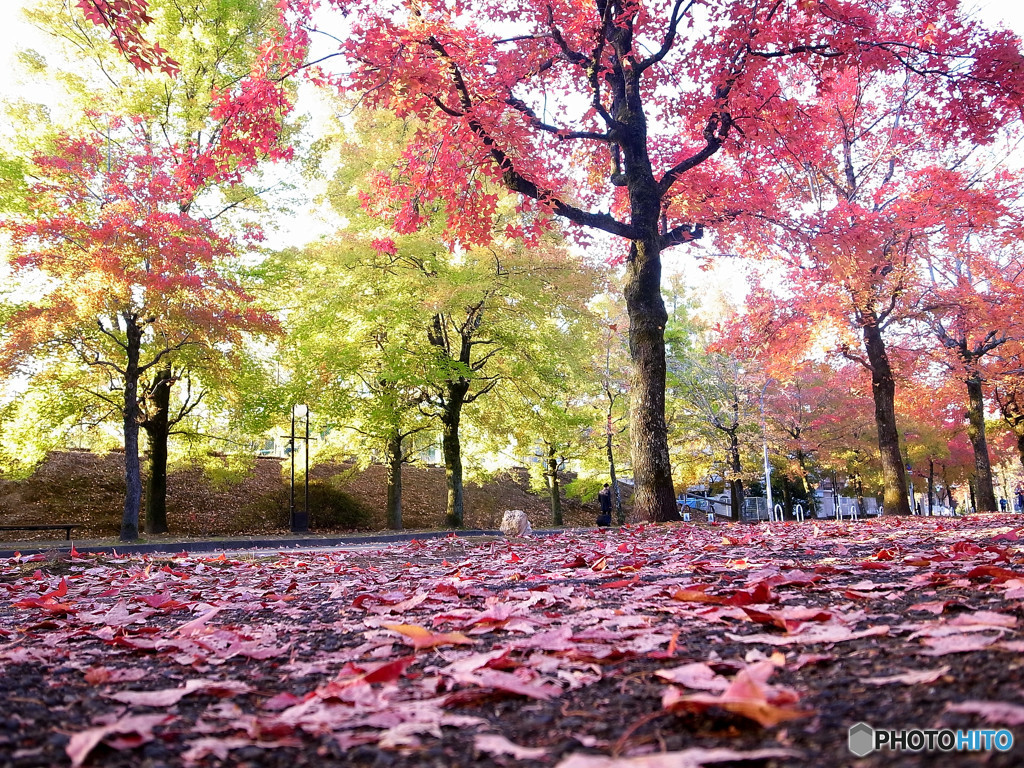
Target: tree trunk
986, 497
736, 485
931, 485
655, 498
620, 514
132, 472
883, 390
451, 448
553, 488
394, 473
158, 431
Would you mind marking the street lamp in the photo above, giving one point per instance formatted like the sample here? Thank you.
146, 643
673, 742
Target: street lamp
767, 465
299, 521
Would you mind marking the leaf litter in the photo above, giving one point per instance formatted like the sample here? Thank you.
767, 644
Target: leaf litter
650, 645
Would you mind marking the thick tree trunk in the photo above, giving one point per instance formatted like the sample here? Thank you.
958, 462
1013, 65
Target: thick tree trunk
986, 497
1020, 446
883, 390
132, 471
394, 472
158, 431
655, 498
451, 448
553, 488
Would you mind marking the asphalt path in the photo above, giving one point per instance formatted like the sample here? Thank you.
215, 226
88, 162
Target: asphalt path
250, 546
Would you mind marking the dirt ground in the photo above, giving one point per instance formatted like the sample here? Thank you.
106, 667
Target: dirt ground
86, 488
666, 646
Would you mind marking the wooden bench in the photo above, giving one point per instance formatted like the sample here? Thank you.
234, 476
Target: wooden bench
55, 527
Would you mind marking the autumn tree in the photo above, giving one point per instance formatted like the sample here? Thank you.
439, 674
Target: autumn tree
972, 304
580, 110
206, 81
1009, 395
355, 349
124, 279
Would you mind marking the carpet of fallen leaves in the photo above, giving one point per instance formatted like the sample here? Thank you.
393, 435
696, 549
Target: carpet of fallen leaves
641, 647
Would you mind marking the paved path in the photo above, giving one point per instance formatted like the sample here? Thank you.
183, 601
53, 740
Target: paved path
237, 545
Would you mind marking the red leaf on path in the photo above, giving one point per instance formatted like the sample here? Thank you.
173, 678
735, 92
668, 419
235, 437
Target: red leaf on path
910, 677
191, 627
103, 675
47, 604
496, 744
140, 726
620, 583
789, 619
811, 658
171, 696
697, 675
1001, 712
886, 554
476, 661
388, 671
761, 593
815, 633
696, 594
421, 637
510, 683
935, 606
748, 695
60, 591
984, 619
1014, 535
940, 646
998, 574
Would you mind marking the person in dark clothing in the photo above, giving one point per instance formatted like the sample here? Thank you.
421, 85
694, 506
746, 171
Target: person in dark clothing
604, 498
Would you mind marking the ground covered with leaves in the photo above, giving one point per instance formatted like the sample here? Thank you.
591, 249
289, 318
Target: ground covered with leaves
641, 647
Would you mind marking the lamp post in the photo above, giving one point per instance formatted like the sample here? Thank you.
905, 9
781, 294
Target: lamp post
767, 465
299, 521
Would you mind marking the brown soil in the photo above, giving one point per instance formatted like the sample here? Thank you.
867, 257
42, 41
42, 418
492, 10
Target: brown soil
88, 489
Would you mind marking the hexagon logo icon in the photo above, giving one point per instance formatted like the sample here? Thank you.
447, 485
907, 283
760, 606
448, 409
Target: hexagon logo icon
861, 739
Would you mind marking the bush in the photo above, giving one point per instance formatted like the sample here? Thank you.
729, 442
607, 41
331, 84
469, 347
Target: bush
330, 508
584, 488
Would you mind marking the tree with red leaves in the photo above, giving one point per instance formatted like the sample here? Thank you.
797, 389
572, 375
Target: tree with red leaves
221, 116
973, 308
123, 278
625, 118
890, 179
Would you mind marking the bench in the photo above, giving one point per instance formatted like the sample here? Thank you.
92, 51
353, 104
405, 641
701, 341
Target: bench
55, 527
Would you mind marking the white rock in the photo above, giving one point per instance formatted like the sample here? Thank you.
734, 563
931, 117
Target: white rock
515, 523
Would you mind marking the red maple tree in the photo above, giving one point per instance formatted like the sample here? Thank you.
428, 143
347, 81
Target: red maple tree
129, 279
626, 118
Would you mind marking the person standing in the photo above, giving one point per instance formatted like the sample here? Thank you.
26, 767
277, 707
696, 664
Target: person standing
604, 498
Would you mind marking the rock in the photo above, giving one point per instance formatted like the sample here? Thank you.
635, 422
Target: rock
515, 523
